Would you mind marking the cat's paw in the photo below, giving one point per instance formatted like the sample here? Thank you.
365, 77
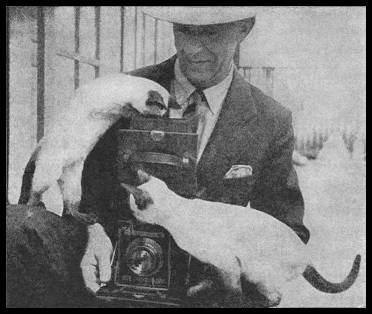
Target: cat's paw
259, 295
233, 298
201, 287
273, 299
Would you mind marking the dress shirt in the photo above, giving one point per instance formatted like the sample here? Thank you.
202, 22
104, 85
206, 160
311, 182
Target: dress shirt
182, 89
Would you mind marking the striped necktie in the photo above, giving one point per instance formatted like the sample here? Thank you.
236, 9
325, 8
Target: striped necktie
197, 100
199, 105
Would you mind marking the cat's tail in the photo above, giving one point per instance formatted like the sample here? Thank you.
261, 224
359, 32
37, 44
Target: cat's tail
318, 282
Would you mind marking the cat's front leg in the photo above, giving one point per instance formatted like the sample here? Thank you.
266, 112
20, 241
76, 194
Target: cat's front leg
229, 272
263, 292
222, 285
70, 186
273, 295
232, 295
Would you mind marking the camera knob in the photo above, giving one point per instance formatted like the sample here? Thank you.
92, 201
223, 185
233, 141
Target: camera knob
156, 135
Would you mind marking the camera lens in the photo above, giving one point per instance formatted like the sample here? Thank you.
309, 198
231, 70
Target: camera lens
144, 257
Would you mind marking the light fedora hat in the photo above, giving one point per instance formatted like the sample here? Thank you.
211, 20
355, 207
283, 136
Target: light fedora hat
200, 15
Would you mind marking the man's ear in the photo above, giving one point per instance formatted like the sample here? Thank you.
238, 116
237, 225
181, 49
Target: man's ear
245, 27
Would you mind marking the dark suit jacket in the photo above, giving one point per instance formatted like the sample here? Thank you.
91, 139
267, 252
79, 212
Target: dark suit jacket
252, 129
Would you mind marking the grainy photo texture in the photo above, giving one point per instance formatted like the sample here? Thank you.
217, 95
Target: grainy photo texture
186, 157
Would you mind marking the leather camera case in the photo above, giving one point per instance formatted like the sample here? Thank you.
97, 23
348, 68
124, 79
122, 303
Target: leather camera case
165, 148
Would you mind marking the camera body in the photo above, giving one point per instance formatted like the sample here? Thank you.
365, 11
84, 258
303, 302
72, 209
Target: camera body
148, 267
143, 257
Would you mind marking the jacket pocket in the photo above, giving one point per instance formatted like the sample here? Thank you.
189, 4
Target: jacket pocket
236, 191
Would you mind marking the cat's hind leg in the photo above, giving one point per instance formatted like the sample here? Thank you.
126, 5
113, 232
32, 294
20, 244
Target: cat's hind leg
232, 294
261, 285
230, 273
70, 186
48, 169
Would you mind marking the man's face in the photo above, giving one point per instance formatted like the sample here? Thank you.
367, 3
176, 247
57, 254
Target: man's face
206, 52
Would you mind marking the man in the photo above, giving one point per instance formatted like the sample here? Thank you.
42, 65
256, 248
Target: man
244, 156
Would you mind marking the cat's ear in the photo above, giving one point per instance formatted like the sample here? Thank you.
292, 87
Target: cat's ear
143, 176
142, 198
131, 189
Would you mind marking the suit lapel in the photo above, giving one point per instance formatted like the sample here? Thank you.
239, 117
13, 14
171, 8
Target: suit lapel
164, 73
235, 132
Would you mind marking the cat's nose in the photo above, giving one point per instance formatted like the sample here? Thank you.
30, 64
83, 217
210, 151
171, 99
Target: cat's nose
142, 198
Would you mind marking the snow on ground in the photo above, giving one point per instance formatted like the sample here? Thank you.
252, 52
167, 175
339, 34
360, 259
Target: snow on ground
335, 213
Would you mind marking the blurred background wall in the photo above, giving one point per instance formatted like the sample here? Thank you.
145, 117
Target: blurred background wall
311, 59
319, 60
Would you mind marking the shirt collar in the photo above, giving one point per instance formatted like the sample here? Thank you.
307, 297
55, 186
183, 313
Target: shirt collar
215, 95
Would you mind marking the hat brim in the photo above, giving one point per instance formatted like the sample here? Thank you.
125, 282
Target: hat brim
201, 15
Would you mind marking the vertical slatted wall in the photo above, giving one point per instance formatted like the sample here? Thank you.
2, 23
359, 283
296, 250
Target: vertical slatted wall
52, 50
22, 88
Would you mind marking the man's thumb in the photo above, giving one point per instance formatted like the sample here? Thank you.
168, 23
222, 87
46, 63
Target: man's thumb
104, 267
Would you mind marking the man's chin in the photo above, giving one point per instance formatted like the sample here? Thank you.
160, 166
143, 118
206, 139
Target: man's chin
199, 80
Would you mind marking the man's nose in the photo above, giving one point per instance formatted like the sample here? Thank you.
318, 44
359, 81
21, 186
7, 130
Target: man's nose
193, 46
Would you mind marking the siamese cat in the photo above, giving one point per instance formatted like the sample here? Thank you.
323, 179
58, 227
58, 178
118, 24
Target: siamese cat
244, 244
61, 153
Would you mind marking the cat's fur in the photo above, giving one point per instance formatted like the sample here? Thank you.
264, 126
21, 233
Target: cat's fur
242, 243
97, 105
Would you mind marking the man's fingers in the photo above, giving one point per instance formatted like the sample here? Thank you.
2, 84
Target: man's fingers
90, 277
105, 273
96, 263
104, 266
96, 269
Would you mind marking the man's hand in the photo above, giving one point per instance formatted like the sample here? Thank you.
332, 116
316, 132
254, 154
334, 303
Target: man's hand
96, 263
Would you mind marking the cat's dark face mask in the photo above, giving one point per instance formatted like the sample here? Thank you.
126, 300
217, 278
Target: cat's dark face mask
142, 198
157, 106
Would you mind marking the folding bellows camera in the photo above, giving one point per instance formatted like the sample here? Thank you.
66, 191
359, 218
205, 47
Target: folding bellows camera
148, 267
